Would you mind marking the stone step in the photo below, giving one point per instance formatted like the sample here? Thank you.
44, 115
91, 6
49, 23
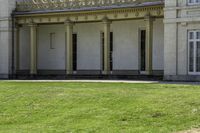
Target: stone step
89, 77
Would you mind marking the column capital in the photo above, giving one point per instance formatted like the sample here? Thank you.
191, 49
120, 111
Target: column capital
32, 24
17, 26
105, 20
148, 17
68, 22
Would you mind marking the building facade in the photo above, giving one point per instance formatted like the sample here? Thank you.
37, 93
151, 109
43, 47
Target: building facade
101, 37
6, 8
182, 36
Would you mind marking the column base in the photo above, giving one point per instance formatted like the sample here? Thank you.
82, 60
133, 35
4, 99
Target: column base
33, 76
69, 72
106, 72
149, 72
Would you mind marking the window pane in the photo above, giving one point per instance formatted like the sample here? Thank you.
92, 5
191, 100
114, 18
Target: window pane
198, 34
191, 35
193, 1
190, 1
191, 56
198, 57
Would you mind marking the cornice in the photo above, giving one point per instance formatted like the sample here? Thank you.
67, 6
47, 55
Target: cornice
85, 16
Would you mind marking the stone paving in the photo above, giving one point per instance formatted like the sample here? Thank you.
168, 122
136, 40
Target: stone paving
85, 81
108, 81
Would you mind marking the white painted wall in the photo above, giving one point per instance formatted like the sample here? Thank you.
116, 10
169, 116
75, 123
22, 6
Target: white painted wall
89, 47
158, 45
48, 59
24, 48
51, 59
88, 57
125, 54
4, 54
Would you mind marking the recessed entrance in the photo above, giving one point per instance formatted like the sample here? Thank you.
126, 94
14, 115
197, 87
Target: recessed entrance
74, 52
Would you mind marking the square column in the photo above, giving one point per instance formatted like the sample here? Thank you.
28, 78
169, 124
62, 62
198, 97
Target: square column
149, 44
106, 49
170, 50
69, 47
17, 48
33, 49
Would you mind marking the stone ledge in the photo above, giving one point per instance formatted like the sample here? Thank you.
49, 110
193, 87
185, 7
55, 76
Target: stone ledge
90, 72
189, 78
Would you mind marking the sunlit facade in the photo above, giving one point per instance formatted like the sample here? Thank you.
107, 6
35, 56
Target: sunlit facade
101, 38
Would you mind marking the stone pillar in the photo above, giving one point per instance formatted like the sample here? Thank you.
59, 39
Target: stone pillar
69, 43
33, 49
171, 40
149, 44
106, 49
170, 49
17, 48
6, 8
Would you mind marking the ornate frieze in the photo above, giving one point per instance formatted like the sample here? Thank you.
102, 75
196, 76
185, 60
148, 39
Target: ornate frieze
114, 14
35, 5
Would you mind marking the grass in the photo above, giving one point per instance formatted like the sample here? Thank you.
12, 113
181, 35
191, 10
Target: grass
98, 108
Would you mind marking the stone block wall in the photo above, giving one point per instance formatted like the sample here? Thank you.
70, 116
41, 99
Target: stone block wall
6, 8
180, 17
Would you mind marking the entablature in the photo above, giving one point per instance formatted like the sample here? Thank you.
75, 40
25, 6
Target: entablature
92, 16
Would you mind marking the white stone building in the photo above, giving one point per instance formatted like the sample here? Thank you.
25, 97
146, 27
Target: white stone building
115, 38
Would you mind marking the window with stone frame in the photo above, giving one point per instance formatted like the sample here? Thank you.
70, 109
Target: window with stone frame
193, 2
194, 52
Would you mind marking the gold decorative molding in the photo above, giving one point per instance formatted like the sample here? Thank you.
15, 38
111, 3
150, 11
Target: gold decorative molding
89, 16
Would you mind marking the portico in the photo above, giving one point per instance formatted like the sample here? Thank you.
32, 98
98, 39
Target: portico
100, 38
97, 51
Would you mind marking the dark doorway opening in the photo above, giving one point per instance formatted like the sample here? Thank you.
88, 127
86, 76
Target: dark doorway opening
74, 52
143, 50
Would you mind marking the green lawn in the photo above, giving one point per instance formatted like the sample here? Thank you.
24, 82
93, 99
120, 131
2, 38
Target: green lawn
98, 108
